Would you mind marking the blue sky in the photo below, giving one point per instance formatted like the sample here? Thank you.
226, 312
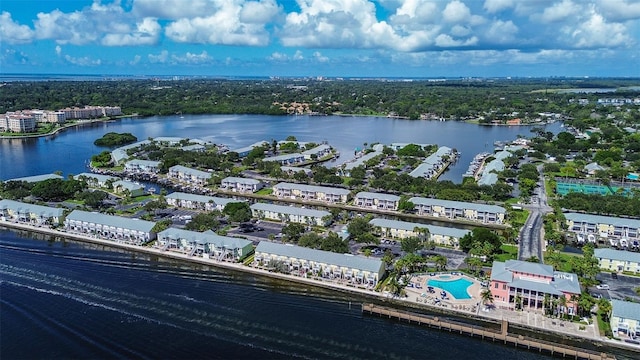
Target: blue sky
361, 38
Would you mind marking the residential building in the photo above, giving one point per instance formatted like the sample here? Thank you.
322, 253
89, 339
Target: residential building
290, 214
97, 180
188, 175
29, 213
625, 318
292, 170
241, 185
310, 192
618, 260
54, 117
142, 166
128, 188
317, 152
364, 157
120, 154
534, 286
242, 152
37, 178
310, 262
198, 202
402, 229
17, 122
109, 227
378, 201
286, 159
433, 164
207, 244
458, 209
603, 226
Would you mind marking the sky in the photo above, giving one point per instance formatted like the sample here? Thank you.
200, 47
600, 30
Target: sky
330, 38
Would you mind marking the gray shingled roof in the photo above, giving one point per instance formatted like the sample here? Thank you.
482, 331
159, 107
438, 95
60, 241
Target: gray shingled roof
380, 196
535, 286
314, 188
599, 219
290, 210
205, 238
110, 220
241, 180
190, 171
285, 157
97, 177
621, 255
409, 226
361, 160
31, 208
148, 163
457, 204
499, 273
36, 178
317, 149
129, 185
330, 258
625, 309
529, 267
562, 282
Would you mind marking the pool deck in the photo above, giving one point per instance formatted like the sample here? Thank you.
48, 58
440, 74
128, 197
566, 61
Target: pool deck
418, 292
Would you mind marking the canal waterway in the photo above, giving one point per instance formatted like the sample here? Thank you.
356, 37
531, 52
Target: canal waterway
69, 151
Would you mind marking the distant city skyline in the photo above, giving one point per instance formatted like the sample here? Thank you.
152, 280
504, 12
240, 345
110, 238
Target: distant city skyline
332, 38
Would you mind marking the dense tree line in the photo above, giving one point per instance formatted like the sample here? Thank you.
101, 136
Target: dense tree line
597, 204
115, 139
451, 99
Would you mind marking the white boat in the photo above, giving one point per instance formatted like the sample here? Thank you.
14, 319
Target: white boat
591, 238
624, 243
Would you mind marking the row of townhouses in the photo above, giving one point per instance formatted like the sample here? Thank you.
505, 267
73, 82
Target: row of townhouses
198, 202
434, 163
441, 235
110, 227
29, 213
593, 226
207, 244
290, 214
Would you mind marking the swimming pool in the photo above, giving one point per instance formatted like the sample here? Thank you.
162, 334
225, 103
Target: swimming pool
457, 288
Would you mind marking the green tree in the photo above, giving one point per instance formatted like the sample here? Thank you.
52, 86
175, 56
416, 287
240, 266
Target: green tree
237, 211
292, 232
411, 244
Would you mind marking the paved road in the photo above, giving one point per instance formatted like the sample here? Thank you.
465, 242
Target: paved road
531, 241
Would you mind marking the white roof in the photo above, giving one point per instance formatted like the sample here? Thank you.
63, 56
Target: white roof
110, 220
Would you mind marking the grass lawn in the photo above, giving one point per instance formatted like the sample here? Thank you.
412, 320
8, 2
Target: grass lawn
509, 252
265, 191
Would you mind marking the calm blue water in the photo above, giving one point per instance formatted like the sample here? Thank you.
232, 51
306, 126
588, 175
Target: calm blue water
457, 288
70, 151
62, 299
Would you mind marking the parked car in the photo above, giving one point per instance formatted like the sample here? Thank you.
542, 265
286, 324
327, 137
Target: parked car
602, 287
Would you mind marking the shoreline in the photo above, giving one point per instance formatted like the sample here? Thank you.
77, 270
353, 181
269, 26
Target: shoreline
398, 303
65, 127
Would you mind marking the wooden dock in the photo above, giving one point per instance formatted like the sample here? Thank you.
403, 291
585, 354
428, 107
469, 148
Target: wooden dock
503, 336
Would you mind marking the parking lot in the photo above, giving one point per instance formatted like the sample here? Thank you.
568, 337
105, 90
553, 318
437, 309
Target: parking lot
620, 288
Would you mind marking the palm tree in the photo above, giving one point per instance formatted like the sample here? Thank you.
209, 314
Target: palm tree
441, 262
518, 302
562, 303
546, 304
486, 296
605, 308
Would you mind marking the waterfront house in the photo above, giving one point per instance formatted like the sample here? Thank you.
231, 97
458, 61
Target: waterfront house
459, 209
124, 187
317, 152
37, 178
290, 170
207, 244
97, 180
534, 286
286, 159
625, 318
402, 229
433, 164
290, 214
305, 262
244, 151
142, 166
603, 226
310, 192
11, 210
618, 260
120, 154
109, 227
241, 185
189, 175
378, 201
198, 202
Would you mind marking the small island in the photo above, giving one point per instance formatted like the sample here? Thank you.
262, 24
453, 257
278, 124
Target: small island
115, 139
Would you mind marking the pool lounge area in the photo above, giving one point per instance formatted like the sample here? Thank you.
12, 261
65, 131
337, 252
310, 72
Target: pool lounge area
452, 290
456, 287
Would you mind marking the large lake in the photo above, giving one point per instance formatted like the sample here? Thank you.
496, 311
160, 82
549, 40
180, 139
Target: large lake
70, 150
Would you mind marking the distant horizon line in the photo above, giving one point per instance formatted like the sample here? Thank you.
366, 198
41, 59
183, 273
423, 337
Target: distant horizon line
52, 76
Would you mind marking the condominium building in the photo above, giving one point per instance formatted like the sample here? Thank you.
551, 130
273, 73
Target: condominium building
459, 210
29, 213
207, 244
188, 175
198, 202
523, 284
402, 229
128, 188
142, 166
37, 178
17, 122
625, 318
290, 214
241, 185
433, 164
310, 192
618, 260
603, 226
286, 159
377, 201
317, 152
303, 261
97, 180
109, 227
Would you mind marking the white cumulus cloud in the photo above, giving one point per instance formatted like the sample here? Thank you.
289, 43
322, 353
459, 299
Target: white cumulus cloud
13, 33
161, 58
